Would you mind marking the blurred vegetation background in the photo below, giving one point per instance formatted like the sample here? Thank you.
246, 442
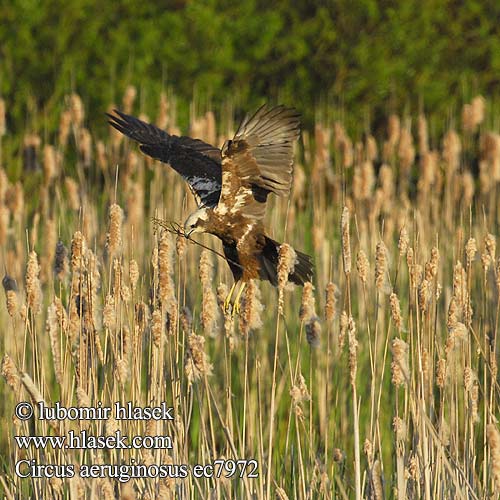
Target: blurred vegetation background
362, 56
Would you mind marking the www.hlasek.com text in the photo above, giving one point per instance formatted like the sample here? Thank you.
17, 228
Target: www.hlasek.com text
84, 440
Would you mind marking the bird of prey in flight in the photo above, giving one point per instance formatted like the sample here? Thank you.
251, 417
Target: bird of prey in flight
231, 186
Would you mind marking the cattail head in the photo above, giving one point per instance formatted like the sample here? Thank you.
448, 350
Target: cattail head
14, 200
395, 311
299, 394
470, 250
344, 323
404, 241
441, 370
133, 272
459, 283
399, 428
386, 179
166, 269
394, 128
380, 265
478, 109
376, 477
346, 240
353, 350
406, 150
493, 438
332, 292
424, 295
414, 468
368, 451
362, 266
49, 163
114, 239
101, 156
73, 192
10, 373
431, 267
109, 312
76, 110
313, 331
468, 188
367, 180
33, 287
423, 134
209, 304
490, 244
468, 123
157, 327
197, 364
122, 370
85, 146
399, 366
251, 317
451, 151
286, 264
10, 296
457, 336
371, 148
141, 317
308, 304
186, 320
206, 268
347, 152
64, 127
82, 398
180, 245
469, 378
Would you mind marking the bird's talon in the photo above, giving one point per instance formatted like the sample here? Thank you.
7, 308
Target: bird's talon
227, 303
236, 309
236, 305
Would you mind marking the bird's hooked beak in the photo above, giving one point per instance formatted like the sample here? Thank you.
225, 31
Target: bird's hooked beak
189, 229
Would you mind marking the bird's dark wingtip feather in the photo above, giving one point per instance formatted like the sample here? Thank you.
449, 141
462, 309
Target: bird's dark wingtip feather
123, 122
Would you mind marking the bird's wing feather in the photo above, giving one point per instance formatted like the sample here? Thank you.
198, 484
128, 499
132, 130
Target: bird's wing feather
258, 161
196, 161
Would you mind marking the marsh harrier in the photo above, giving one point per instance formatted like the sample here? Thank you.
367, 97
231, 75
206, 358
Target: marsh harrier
231, 186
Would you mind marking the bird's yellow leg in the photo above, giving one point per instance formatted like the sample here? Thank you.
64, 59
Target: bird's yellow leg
227, 302
236, 307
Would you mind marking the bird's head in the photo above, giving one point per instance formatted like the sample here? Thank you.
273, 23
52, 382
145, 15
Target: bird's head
196, 222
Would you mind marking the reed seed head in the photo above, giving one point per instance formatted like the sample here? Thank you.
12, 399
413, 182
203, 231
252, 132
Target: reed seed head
400, 364
346, 241
115, 229
332, 293
395, 311
286, 265
493, 438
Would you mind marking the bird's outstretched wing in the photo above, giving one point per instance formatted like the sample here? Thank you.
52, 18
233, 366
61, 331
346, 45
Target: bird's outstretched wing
199, 163
258, 161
